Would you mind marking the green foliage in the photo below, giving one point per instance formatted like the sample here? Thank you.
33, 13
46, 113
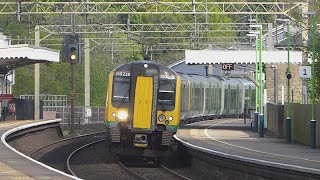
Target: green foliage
55, 77
24, 81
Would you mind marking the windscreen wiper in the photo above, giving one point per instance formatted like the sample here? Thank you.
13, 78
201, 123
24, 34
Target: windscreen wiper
124, 97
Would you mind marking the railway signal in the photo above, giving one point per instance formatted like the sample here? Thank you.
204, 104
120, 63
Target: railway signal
72, 48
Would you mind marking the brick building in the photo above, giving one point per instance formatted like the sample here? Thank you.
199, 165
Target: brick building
295, 83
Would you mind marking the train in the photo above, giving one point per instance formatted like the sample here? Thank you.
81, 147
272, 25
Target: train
146, 102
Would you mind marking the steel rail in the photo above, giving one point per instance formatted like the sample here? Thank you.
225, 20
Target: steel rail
75, 151
63, 140
179, 176
136, 175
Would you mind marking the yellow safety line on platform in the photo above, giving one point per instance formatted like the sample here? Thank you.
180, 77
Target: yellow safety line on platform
12, 173
241, 147
6, 124
195, 132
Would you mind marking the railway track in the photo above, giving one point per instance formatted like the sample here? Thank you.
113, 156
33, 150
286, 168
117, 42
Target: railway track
80, 148
124, 169
40, 150
142, 172
55, 154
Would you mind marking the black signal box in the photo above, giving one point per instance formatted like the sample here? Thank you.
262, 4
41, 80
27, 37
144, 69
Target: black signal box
71, 48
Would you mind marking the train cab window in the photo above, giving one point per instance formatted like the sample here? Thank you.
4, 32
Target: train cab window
120, 91
166, 95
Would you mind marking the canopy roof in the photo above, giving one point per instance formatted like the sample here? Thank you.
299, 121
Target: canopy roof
240, 56
14, 56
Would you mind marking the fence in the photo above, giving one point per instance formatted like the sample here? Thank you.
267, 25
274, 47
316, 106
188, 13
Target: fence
300, 121
49, 100
81, 117
275, 119
24, 109
300, 127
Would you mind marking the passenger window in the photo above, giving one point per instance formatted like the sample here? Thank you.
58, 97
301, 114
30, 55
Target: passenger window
166, 95
120, 91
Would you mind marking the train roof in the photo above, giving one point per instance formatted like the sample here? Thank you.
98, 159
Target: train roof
127, 66
198, 77
143, 65
245, 81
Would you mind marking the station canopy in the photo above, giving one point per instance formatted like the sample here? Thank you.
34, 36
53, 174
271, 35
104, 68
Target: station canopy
14, 56
240, 56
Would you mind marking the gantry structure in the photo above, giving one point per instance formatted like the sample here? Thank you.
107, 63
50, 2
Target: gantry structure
87, 17
198, 33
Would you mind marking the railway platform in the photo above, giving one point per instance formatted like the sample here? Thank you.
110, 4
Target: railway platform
231, 138
15, 165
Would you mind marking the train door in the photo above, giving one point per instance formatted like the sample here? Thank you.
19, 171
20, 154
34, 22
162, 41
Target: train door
217, 98
239, 99
223, 86
226, 99
209, 100
143, 102
232, 96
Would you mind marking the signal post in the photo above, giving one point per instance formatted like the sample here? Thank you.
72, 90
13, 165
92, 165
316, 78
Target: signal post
72, 56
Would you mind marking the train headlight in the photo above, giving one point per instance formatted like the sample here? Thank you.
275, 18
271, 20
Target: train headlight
170, 118
123, 115
113, 114
162, 117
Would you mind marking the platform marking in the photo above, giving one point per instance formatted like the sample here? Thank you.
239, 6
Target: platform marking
196, 131
12, 173
7, 133
2, 125
262, 152
242, 158
247, 159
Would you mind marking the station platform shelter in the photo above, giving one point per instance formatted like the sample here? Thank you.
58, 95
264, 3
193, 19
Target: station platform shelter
15, 56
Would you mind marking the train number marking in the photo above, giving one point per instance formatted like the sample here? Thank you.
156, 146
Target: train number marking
122, 73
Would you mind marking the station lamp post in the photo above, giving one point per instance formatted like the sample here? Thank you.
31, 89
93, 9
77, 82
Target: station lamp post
313, 120
261, 117
256, 113
288, 75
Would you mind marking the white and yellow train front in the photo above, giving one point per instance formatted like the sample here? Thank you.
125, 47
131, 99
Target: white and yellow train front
143, 105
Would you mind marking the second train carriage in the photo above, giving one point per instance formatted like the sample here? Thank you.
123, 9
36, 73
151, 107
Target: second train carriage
213, 96
146, 102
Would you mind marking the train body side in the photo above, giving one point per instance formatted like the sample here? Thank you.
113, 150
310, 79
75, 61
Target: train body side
210, 97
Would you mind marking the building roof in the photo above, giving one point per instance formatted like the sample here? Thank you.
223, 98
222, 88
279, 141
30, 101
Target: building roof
14, 56
240, 56
200, 69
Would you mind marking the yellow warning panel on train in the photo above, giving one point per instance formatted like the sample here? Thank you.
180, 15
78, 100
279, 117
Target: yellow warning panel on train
143, 103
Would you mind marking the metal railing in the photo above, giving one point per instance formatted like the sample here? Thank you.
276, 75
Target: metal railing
49, 100
82, 116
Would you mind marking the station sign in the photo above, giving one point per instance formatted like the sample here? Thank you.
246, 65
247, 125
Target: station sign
227, 66
6, 97
305, 71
